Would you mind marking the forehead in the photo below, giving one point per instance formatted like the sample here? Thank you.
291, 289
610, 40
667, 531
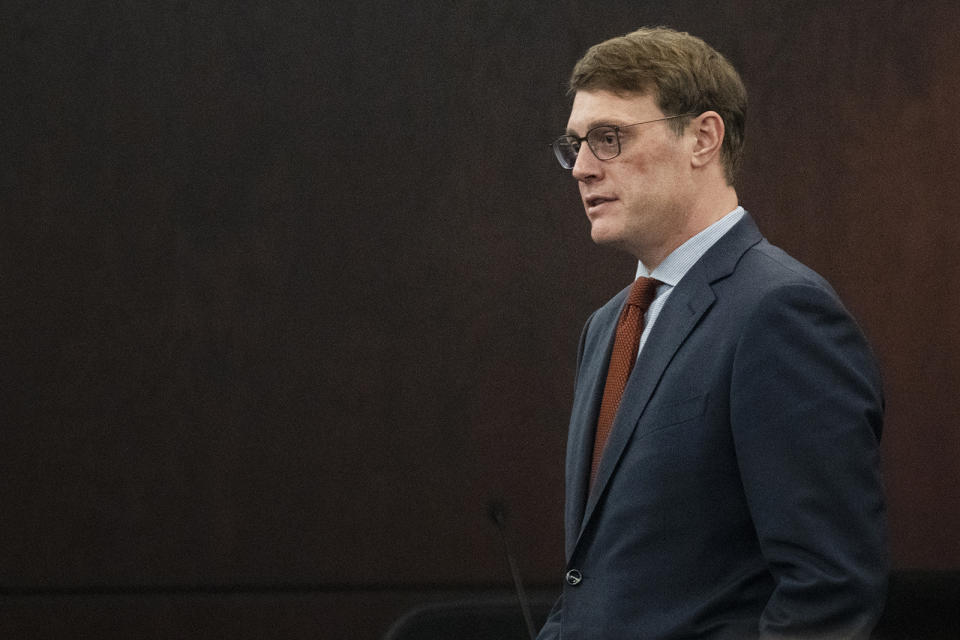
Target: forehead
593, 108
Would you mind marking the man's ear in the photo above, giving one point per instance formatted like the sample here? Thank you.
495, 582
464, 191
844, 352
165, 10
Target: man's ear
709, 130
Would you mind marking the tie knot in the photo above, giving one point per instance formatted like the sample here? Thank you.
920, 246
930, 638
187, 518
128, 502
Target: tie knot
643, 292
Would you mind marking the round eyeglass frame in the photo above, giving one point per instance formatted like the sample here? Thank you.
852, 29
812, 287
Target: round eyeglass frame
573, 142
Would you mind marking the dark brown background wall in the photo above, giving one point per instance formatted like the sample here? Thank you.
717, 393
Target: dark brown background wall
291, 292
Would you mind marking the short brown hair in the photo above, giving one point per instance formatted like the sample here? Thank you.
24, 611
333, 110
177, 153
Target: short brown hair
686, 74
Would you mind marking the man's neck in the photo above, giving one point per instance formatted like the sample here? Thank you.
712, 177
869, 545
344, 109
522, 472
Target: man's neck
672, 268
702, 213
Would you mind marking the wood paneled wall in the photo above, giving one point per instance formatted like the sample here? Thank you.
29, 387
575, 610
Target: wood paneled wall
291, 293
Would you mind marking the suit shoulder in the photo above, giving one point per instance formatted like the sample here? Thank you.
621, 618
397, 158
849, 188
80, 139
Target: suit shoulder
611, 308
767, 267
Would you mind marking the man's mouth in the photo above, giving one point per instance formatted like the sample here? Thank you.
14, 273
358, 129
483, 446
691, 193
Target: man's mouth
595, 201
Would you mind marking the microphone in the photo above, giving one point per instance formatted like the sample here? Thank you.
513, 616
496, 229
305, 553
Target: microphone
497, 512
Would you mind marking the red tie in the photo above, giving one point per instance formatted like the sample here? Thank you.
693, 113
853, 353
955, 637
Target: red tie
625, 347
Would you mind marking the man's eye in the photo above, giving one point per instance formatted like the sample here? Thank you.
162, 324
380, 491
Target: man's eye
607, 138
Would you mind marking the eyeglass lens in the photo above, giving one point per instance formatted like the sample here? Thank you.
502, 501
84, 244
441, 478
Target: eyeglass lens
604, 141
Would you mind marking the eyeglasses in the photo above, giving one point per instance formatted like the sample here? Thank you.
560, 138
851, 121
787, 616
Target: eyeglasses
604, 142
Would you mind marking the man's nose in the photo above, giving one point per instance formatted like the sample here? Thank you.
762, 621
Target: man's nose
586, 166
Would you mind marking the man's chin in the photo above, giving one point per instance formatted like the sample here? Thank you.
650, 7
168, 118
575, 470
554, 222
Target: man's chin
605, 237
612, 241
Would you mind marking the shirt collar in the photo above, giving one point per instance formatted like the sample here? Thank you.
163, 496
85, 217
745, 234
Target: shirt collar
676, 265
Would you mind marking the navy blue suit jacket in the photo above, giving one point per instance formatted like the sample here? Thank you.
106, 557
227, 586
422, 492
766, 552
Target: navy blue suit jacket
739, 495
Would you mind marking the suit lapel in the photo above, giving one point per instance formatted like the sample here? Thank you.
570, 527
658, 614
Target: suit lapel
677, 319
688, 302
599, 337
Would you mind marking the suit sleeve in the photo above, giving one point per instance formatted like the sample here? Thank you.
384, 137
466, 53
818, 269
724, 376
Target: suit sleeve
806, 414
551, 628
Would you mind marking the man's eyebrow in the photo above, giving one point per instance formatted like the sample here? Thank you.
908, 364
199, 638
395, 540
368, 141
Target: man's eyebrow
608, 122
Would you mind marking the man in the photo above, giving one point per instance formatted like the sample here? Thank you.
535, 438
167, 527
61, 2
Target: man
727, 484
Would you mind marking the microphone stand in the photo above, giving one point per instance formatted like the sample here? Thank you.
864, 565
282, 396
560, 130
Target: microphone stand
497, 513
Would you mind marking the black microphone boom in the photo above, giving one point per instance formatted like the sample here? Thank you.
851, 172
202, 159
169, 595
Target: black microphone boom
497, 513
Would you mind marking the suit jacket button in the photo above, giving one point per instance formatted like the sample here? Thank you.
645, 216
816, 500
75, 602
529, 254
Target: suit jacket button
574, 577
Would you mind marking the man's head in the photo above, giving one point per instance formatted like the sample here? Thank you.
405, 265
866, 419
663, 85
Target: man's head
681, 72
648, 139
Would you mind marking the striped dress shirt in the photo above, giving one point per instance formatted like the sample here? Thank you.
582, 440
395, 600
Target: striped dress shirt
676, 265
